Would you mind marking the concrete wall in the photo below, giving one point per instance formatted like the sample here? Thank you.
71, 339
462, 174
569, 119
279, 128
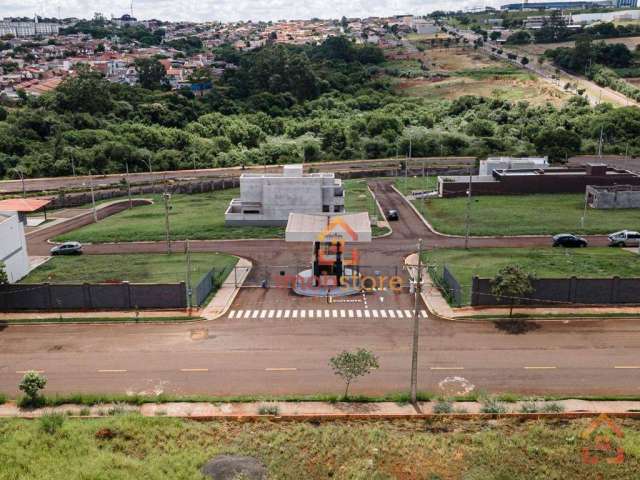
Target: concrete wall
13, 247
611, 199
546, 183
558, 291
119, 296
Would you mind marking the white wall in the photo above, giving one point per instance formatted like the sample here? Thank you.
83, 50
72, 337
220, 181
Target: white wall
13, 247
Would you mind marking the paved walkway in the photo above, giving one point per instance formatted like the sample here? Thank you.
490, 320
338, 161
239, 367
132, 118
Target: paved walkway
318, 409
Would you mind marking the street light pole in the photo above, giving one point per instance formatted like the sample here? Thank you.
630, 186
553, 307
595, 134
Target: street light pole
468, 217
416, 328
129, 187
166, 196
93, 198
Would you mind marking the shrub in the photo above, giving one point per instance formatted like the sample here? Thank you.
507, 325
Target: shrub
443, 406
492, 405
269, 409
31, 384
85, 412
51, 422
529, 406
552, 407
3, 399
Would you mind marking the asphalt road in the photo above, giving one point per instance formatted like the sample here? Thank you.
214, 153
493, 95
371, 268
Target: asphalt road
270, 352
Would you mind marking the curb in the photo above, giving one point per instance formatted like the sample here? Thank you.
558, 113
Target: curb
390, 232
238, 285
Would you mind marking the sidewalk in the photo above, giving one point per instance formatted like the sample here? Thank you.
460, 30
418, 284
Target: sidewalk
217, 307
304, 410
438, 305
225, 296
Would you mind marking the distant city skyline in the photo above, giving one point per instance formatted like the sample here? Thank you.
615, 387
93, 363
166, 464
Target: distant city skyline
233, 10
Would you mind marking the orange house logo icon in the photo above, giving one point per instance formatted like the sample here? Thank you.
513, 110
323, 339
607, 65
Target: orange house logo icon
336, 233
604, 435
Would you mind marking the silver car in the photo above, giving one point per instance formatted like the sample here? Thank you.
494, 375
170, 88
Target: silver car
67, 248
624, 238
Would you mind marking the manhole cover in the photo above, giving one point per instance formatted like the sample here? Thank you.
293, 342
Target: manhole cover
452, 386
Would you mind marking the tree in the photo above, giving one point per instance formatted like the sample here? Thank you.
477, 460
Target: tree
3, 273
31, 384
151, 73
495, 35
512, 283
349, 366
87, 92
557, 143
554, 28
521, 37
524, 60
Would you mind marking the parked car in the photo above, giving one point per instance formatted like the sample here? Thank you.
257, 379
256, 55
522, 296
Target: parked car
569, 240
624, 238
67, 248
392, 216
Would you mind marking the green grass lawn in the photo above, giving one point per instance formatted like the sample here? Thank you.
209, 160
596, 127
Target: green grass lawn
548, 262
196, 217
358, 198
129, 446
134, 268
505, 215
409, 184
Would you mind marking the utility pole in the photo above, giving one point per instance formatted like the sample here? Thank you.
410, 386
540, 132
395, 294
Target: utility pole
129, 187
600, 142
189, 292
416, 328
93, 198
468, 217
73, 167
166, 196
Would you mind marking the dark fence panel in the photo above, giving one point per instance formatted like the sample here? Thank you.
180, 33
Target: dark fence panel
117, 296
587, 291
452, 286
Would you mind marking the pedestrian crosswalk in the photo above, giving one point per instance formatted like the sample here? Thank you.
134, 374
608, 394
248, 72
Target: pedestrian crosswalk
265, 314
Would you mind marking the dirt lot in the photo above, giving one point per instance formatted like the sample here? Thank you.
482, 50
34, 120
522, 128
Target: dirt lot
456, 59
538, 49
514, 89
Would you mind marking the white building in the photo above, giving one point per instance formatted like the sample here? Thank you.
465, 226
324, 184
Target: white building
268, 199
589, 18
13, 246
510, 163
28, 29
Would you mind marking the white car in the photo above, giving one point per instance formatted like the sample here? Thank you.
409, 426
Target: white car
624, 238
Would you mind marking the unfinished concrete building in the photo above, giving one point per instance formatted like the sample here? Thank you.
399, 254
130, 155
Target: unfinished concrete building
613, 196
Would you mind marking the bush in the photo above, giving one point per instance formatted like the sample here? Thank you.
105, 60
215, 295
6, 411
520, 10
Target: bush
552, 408
85, 412
492, 405
31, 384
529, 406
443, 406
51, 422
3, 399
269, 409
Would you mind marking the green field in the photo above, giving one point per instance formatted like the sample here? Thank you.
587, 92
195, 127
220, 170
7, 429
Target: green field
196, 217
134, 268
505, 215
409, 184
549, 262
128, 446
358, 198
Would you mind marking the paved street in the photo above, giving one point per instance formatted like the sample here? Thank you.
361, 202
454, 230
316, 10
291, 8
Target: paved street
270, 352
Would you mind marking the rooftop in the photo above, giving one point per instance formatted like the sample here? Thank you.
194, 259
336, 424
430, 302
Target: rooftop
23, 205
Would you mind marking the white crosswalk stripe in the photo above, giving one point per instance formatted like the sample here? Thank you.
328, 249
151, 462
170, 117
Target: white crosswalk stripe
324, 314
